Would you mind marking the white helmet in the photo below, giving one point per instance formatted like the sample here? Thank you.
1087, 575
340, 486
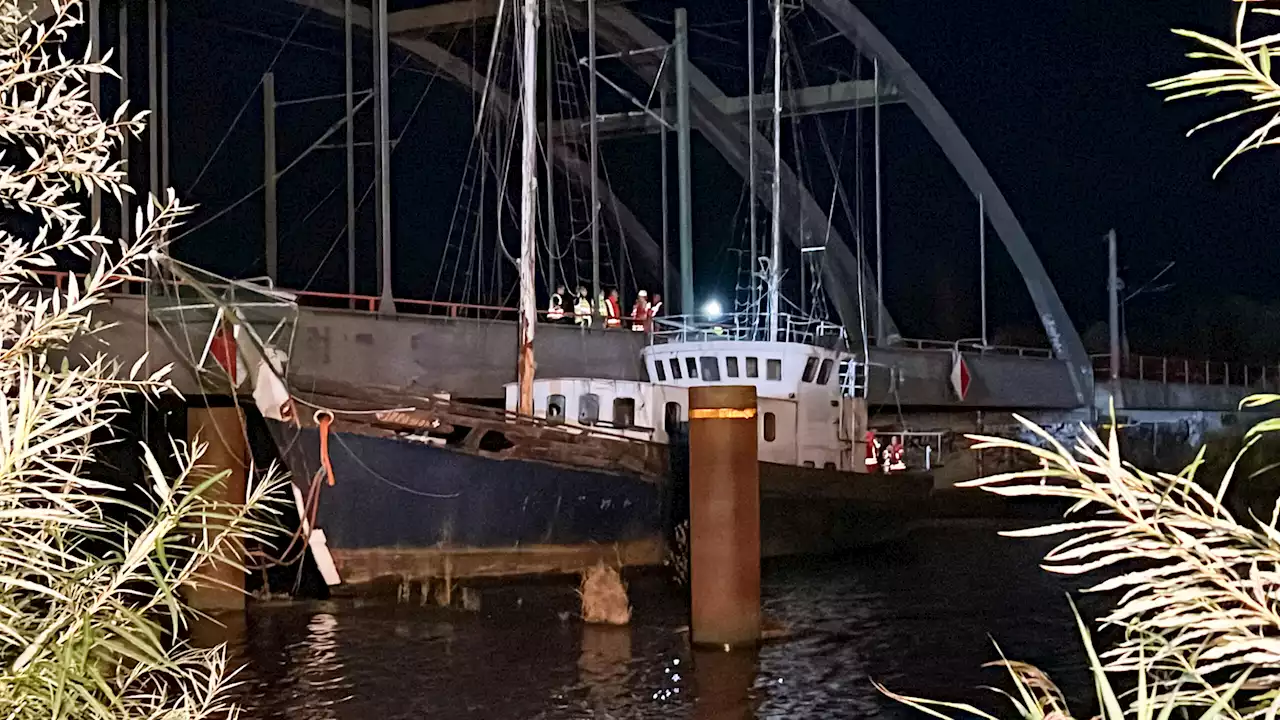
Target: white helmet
642, 293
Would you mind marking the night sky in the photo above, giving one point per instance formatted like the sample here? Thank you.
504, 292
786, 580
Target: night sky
1052, 96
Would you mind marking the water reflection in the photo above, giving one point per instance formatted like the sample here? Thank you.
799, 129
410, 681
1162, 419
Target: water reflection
318, 673
724, 683
918, 617
603, 665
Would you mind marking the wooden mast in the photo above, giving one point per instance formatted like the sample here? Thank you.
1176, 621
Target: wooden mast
528, 206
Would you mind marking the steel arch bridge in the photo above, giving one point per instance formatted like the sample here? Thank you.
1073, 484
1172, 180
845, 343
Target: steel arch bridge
619, 31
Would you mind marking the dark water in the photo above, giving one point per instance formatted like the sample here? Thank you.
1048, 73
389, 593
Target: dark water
918, 616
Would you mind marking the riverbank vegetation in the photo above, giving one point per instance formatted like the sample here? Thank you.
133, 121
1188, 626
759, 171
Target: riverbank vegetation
90, 579
1195, 578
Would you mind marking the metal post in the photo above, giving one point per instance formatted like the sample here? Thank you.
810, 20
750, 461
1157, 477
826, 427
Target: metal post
269, 176
153, 82
594, 151
724, 515
126, 222
982, 267
752, 293
528, 205
683, 161
775, 252
95, 97
382, 155
880, 338
348, 38
164, 95
1113, 297
553, 242
666, 211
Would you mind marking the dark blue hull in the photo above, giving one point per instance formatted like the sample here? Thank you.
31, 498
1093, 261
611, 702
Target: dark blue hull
405, 507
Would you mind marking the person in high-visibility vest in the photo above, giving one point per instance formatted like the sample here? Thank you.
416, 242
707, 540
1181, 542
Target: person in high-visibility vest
872, 460
582, 308
893, 461
612, 311
640, 312
654, 309
555, 311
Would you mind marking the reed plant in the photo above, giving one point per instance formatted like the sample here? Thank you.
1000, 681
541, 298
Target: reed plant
1241, 65
90, 580
1197, 587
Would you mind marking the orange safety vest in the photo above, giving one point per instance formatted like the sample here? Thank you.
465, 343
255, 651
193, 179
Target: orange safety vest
639, 316
893, 457
614, 317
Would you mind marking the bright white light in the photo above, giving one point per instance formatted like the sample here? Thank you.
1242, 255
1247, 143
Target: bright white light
712, 310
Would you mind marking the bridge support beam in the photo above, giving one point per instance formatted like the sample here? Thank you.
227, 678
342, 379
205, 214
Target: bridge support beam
815, 100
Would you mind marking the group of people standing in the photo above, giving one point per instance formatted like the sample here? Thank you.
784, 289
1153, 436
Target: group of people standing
608, 308
884, 459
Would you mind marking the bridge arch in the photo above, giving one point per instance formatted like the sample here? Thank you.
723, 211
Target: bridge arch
1063, 337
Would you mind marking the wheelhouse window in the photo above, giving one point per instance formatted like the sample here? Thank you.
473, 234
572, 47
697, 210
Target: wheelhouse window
624, 412
773, 369
692, 365
588, 409
810, 369
824, 372
675, 369
731, 367
659, 371
710, 368
753, 367
555, 409
770, 427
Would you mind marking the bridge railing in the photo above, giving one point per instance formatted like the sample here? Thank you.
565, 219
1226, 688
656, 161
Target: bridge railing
974, 346
348, 301
1185, 371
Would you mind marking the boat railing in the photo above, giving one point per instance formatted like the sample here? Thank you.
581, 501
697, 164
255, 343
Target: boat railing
366, 400
747, 327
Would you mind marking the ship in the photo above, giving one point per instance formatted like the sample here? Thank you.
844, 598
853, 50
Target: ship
415, 484
393, 485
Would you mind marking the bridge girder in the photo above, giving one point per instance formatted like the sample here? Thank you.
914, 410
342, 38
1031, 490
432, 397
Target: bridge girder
1063, 337
813, 100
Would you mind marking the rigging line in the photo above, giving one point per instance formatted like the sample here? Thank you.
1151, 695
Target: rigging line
493, 49
297, 23
383, 479
460, 220
399, 137
713, 36
249, 195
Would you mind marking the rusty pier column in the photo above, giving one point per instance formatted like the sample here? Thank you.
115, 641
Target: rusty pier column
724, 516
223, 430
